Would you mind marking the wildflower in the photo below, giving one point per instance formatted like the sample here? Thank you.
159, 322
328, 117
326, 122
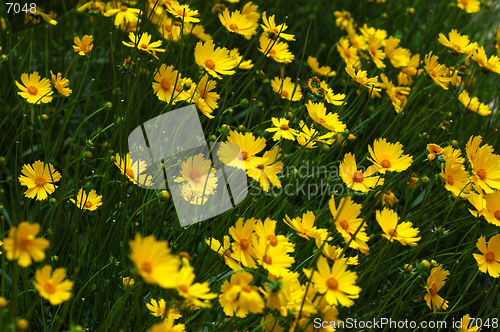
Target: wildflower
472, 146
270, 27
361, 77
436, 70
204, 97
309, 136
251, 12
265, 169
434, 150
411, 68
238, 297
281, 129
356, 180
197, 173
235, 54
473, 104
93, 6
492, 208
35, 17
387, 156
23, 245
317, 112
457, 42
412, 183
452, 155
51, 286
154, 262
456, 177
334, 253
61, 84
142, 43
157, 308
216, 61
434, 283
486, 169
183, 12
123, 15
470, 6
249, 146
128, 282
489, 261
388, 198
336, 99
224, 251
197, 30
133, 170
305, 226
399, 57
84, 45
86, 201
343, 19
487, 65
286, 89
348, 53
267, 231
236, 22
34, 89
377, 55
402, 232
40, 179
193, 291
167, 325
242, 247
164, 83
275, 49
465, 325
273, 258
337, 283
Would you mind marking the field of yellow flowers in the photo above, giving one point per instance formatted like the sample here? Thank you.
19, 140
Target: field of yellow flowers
365, 132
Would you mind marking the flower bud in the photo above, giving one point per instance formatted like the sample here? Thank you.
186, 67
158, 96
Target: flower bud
164, 195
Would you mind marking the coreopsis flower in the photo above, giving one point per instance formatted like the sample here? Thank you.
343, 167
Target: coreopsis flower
154, 262
330, 121
452, 155
240, 63
170, 29
251, 12
23, 245
377, 55
347, 223
472, 147
215, 61
323, 70
361, 77
242, 247
348, 53
249, 146
436, 70
398, 94
265, 169
275, 49
90, 201
491, 211
94, 6
133, 169
489, 261
470, 6
456, 177
34, 89
225, 251
157, 308
388, 156
336, 283
402, 232
167, 325
274, 259
182, 11
343, 19
434, 150
305, 226
84, 45
270, 27
412, 183
164, 83
399, 56
478, 201
356, 180
61, 84
465, 325
473, 104
123, 15
457, 42
309, 136
282, 130
486, 169
143, 43
35, 17
197, 172
388, 198
435, 282
412, 68
204, 97
487, 65
128, 282
286, 89
267, 231
238, 297
197, 30
333, 252
187, 288
52, 286
40, 179
236, 22
336, 99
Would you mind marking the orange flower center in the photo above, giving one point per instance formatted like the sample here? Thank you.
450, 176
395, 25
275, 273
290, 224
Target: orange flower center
180, 12
497, 214
124, 8
344, 224
385, 163
228, 253
233, 26
464, 2
32, 90
450, 180
88, 204
332, 284
490, 257
261, 166
24, 242
347, 52
388, 192
321, 120
183, 288
358, 177
285, 94
246, 289
272, 52
245, 155
49, 287
165, 84
144, 46
210, 64
273, 240
84, 48
433, 289
284, 127
178, 88
432, 72
373, 50
130, 173
40, 181
482, 174
146, 267
392, 233
244, 244
195, 175
268, 259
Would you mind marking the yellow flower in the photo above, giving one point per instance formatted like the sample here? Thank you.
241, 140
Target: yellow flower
93, 6
34, 89
133, 170
343, 19
236, 22
487, 65
197, 30
235, 54
399, 57
305, 226
167, 325
242, 247
265, 169
334, 253
286, 89
387, 156
249, 146
470, 6
35, 17
170, 29
275, 49
434, 150
465, 325
361, 77
224, 251
489, 261
205, 98
274, 259
492, 209
267, 231
143, 44
128, 282
347, 52
452, 155
330, 97
457, 42
402, 232
193, 291
317, 112
434, 283
23, 245
473, 104
377, 55
183, 12
40, 179
456, 177
472, 147
53, 287
165, 82
214, 61
356, 180
270, 27
197, 173
251, 12
83, 46
281, 129
61, 84
86, 201
238, 297
486, 169
436, 70
124, 15
497, 45
157, 308
309, 136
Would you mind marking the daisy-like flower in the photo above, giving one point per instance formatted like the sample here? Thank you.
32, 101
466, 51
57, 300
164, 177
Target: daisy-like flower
169, 29
492, 209
356, 180
205, 98
128, 282
486, 169
286, 89
465, 325
187, 288
347, 223
251, 12
337, 283
336, 99
124, 15
267, 231
472, 147
164, 83
154, 262
93, 6
309, 136
61, 84
240, 63
52, 286
84, 45
214, 61
387, 156
265, 169
334, 253
434, 283
282, 130
457, 42
40, 179
167, 325
86, 201
317, 112
399, 57
377, 55
402, 232
249, 146
473, 104
388, 198
23, 245
436, 70
236, 22
487, 65
323, 71
347, 52
275, 49
238, 297
361, 78
489, 261
35, 17
274, 259
197, 172
270, 27
456, 177
197, 30
183, 12
133, 170
305, 226
143, 44
35, 90
470, 6
434, 150
225, 251
452, 155
242, 247
158, 308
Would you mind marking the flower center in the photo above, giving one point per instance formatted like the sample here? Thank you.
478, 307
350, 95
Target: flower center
124, 8
268, 259
130, 173
490, 257
245, 155
165, 84
321, 120
450, 180
272, 52
210, 64
244, 244
88, 204
433, 289
482, 174
195, 175
285, 94
228, 254
273, 240
392, 233
24, 242
246, 289
358, 177
497, 214
385, 163
344, 224
373, 50
183, 288
146, 267
144, 46
347, 53
261, 166
40, 181
284, 127
464, 2
178, 88
233, 26
332, 284
49, 287
32, 90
